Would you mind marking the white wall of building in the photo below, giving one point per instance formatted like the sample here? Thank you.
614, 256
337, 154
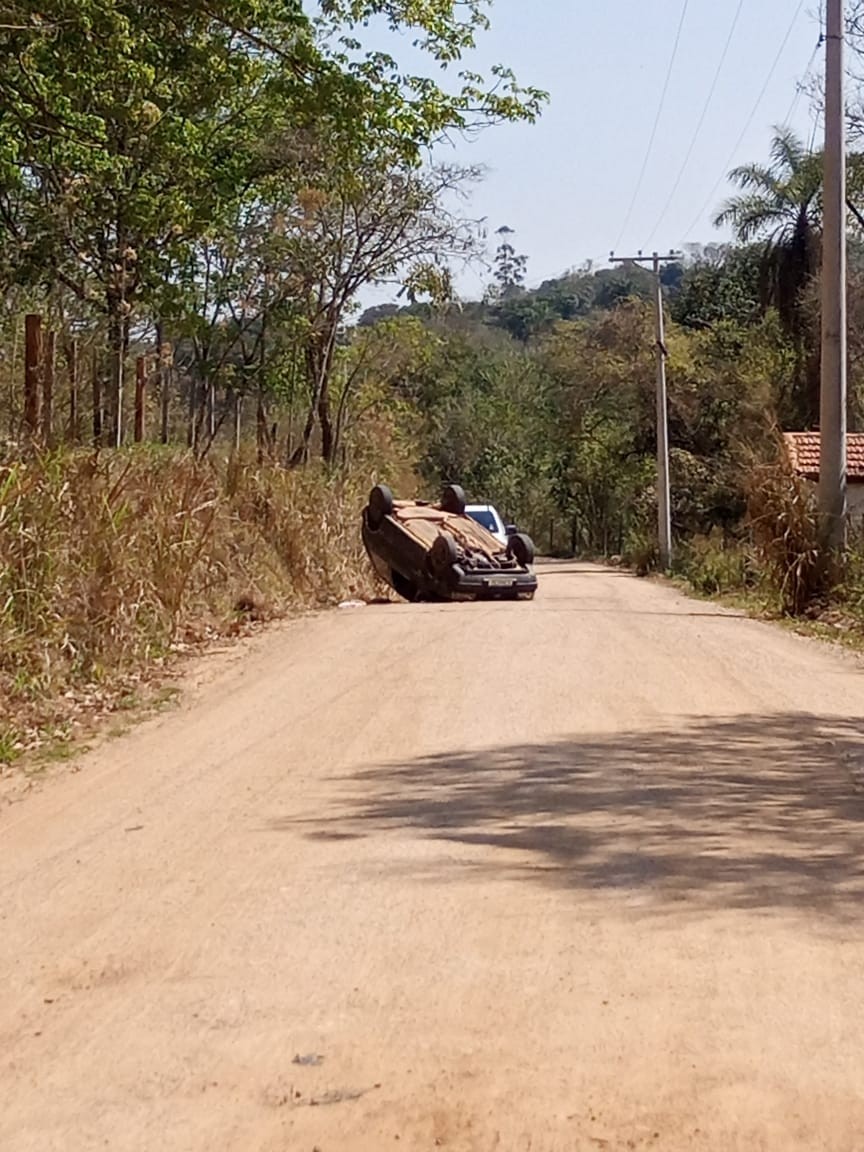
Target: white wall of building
855, 501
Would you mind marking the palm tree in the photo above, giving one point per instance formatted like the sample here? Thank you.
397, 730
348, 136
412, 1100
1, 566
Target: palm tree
780, 208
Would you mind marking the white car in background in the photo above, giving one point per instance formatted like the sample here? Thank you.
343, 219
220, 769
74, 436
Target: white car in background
487, 516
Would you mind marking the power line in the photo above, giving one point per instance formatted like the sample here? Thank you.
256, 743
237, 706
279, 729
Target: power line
705, 108
657, 118
801, 85
734, 152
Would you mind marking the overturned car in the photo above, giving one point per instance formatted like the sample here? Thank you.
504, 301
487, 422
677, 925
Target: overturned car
436, 552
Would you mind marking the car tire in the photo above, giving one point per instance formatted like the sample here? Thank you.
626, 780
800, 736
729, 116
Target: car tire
453, 500
443, 554
380, 506
521, 548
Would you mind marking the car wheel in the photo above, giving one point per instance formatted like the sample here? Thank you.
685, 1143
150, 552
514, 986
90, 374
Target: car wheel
380, 506
443, 554
453, 500
521, 548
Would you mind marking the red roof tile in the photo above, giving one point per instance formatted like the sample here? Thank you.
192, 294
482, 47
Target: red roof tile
803, 451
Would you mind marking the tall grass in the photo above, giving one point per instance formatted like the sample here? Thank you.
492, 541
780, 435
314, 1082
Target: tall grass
784, 526
777, 549
106, 560
716, 566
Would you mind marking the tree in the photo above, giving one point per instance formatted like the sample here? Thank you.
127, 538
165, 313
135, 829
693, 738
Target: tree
237, 304
125, 128
510, 268
720, 285
855, 71
780, 206
383, 222
374, 383
128, 130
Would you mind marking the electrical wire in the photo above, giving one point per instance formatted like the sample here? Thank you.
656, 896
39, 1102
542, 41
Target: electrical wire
801, 85
734, 151
660, 107
705, 109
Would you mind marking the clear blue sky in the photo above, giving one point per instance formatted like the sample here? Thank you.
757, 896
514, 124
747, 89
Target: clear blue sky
565, 184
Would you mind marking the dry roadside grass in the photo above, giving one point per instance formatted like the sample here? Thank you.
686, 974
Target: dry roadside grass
113, 563
775, 568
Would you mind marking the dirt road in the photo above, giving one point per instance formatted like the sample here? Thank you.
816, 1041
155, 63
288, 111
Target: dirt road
586, 873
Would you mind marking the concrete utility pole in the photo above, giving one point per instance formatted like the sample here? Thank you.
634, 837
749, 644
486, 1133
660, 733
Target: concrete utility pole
664, 518
832, 400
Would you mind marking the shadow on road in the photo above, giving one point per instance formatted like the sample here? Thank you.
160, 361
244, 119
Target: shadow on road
623, 613
752, 812
547, 568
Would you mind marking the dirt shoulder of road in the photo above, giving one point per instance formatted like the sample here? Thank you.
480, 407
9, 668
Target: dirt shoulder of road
832, 624
97, 717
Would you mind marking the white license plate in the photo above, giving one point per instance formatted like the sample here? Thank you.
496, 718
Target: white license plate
500, 582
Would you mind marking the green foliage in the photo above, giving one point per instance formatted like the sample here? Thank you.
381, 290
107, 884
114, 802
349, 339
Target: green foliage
578, 294
237, 172
720, 289
715, 567
557, 425
780, 205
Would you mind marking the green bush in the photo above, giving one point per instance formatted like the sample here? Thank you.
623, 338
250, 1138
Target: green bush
715, 567
642, 555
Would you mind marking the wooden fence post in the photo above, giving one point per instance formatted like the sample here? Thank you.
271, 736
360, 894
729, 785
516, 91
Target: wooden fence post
32, 374
140, 393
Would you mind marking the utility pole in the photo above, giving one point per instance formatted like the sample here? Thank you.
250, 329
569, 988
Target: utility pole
664, 516
832, 397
